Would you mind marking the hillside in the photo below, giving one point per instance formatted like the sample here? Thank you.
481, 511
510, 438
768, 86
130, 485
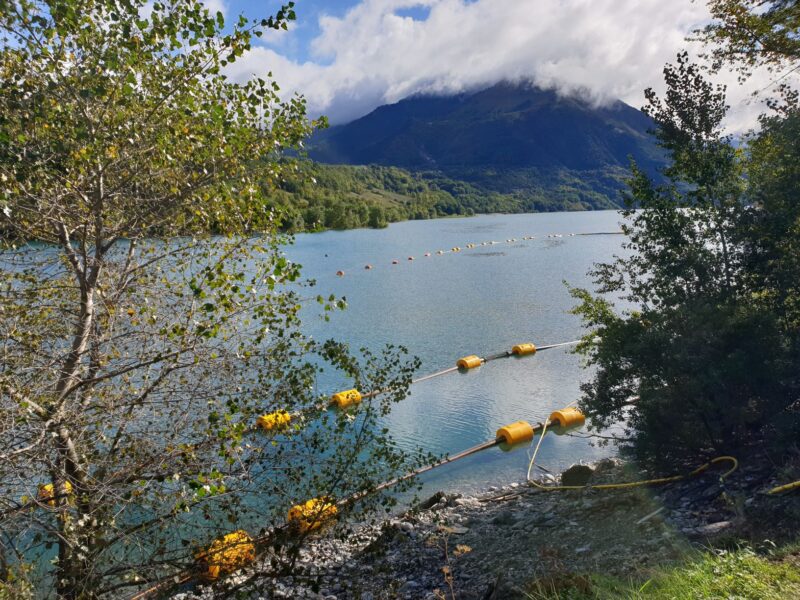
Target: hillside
323, 197
511, 139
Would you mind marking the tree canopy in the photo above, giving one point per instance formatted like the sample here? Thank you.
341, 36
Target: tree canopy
749, 33
703, 354
137, 350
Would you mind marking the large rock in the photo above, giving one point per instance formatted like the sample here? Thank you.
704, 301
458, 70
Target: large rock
577, 475
433, 500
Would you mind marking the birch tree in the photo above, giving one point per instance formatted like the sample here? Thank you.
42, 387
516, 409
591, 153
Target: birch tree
138, 349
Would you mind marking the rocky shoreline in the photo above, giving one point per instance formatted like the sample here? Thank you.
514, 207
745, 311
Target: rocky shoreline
517, 539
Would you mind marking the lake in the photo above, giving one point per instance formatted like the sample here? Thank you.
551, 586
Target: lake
478, 301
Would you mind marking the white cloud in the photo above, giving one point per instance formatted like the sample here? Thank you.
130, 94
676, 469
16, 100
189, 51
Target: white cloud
215, 6
607, 49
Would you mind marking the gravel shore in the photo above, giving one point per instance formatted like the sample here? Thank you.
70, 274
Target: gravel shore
508, 540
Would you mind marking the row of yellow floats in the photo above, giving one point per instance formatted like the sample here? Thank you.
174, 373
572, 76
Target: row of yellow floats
236, 550
345, 399
456, 249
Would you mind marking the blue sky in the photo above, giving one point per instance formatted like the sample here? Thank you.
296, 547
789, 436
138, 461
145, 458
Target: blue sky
307, 25
349, 56
304, 29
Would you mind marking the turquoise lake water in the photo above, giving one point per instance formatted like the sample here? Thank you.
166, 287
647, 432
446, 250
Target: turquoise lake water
477, 301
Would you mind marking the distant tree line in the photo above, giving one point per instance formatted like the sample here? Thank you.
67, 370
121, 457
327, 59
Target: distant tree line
316, 197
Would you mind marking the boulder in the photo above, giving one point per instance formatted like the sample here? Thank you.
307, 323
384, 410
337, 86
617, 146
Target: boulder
577, 475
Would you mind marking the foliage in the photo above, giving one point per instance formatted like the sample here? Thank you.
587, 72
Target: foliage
703, 357
750, 33
318, 197
774, 176
322, 197
134, 362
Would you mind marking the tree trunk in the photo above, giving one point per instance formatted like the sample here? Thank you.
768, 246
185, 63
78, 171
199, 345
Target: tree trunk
72, 572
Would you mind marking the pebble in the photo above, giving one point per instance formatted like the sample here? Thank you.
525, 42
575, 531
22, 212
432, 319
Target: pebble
469, 502
506, 517
712, 528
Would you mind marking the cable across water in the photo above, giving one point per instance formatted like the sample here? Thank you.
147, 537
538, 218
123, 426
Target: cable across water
344, 399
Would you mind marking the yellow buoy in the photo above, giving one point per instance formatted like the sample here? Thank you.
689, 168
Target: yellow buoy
469, 362
346, 398
516, 433
276, 420
47, 495
568, 417
227, 554
523, 349
312, 514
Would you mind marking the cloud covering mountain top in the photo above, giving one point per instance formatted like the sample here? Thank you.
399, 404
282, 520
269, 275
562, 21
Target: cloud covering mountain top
380, 51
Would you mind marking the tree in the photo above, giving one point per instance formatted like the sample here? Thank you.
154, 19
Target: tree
137, 350
751, 33
700, 361
774, 230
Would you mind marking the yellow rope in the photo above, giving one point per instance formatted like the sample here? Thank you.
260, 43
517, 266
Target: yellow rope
536, 450
784, 488
631, 484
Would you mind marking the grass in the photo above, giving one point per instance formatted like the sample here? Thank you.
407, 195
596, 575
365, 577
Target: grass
731, 574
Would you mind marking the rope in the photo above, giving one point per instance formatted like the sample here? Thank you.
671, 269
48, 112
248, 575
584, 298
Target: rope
190, 573
421, 470
361, 267
631, 484
784, 488
536, 450
432, 375
489, 358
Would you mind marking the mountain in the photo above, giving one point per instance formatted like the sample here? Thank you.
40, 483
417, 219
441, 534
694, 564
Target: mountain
508, 138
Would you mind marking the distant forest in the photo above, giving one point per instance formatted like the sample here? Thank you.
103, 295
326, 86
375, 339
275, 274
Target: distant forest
319, 196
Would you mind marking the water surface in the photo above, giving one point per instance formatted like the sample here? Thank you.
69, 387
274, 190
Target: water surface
477, 301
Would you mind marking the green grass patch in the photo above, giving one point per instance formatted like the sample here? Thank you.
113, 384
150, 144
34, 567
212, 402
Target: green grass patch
738, 574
